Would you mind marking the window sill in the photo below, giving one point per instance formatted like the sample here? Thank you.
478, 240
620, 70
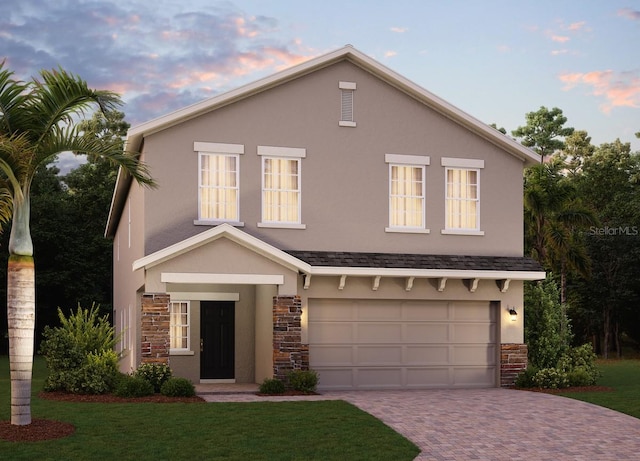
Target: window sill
276, 225
407, 230
181, 352
203, 222
345, 123
461, 232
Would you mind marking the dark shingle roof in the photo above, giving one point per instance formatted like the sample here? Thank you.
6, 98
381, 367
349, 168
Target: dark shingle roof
416, 261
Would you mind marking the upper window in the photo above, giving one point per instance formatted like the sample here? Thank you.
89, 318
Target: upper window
347, 91
179, 325
462, 205
407, 193
281, 191
218, 183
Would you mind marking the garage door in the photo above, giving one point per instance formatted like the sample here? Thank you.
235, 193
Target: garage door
378, 344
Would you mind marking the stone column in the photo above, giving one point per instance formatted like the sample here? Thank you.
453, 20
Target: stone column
155, 322
288, 351
513, 360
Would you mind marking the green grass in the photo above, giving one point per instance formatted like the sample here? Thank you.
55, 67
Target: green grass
303, 430
624, 377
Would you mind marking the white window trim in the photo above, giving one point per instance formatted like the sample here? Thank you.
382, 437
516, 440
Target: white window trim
409, 160
462, 164
229, 150
296, 153
183, 350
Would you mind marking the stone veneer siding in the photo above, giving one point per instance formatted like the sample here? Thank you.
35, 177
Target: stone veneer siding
155, 340
288, 351
513, 360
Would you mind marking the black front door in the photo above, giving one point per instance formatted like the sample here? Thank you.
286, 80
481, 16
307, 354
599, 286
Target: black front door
217, 339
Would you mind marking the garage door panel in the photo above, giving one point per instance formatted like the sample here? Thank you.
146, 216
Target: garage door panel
333, 355
379, 378
418, 311
472, 333
378, 344
387, 355
424, 355
376, 310
428, 377
474, 377
386, 333
469, 355
427, 332
332, 333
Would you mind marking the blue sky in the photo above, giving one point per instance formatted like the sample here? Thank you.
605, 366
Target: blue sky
496, 60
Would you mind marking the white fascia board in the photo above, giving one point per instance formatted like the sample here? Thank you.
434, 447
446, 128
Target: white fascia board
226, 279
427, 273
222, 231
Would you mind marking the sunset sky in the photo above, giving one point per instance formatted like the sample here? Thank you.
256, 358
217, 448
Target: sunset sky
494, 59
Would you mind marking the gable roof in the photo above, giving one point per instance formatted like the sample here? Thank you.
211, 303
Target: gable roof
136, 134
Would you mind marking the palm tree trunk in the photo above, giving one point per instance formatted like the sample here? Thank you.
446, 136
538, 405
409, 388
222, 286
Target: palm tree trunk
21, 315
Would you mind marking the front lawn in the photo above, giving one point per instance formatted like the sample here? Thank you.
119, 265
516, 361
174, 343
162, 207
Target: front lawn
304, 430
624, 377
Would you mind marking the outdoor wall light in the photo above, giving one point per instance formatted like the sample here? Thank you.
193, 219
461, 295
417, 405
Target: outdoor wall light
513, 313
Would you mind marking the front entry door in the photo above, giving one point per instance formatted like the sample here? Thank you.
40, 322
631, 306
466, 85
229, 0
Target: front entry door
217, 339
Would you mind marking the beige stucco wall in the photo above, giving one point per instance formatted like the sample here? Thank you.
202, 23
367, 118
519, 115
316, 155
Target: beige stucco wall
127, 247
344, 175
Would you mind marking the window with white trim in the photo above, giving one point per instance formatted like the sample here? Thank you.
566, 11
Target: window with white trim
406, 196
347, 92
179, 325
281, 190
462, 196
218, 182
407, 174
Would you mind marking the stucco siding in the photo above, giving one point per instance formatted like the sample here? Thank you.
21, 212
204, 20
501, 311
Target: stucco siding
344, 175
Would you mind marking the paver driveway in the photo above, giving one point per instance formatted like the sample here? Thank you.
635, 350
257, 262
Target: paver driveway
494, 424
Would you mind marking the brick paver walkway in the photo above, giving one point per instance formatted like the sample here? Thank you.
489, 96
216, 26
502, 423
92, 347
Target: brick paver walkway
494, 424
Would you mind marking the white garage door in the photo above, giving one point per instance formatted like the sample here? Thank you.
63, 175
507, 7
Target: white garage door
378, 344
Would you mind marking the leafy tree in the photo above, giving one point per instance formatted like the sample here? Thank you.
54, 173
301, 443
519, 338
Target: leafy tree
37, 122
577, 148
609, 183
553, 214
547, 331
542, 131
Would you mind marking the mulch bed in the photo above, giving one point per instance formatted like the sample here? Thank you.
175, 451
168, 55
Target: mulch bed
48, 429
569, 389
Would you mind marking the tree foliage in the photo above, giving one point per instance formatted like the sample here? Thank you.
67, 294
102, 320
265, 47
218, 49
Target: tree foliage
544, 131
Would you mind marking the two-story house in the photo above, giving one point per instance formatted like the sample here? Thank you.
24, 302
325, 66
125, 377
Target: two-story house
333, 215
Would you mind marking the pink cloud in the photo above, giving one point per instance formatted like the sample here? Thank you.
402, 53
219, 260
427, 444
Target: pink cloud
618, 89
390, 54
560, 38
575, 26
399, 30
628, 13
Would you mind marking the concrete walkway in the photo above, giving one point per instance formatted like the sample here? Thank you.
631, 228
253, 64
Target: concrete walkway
493, 424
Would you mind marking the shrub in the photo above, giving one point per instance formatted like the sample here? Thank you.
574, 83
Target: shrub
525, 377
551, 378
133, 386
156, 373
79, 353
178, 387
580, 365
271, 386
303, 380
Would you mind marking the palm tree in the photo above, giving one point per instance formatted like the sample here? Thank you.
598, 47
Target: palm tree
37, 122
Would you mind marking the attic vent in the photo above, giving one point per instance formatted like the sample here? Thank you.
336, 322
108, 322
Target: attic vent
346, 107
